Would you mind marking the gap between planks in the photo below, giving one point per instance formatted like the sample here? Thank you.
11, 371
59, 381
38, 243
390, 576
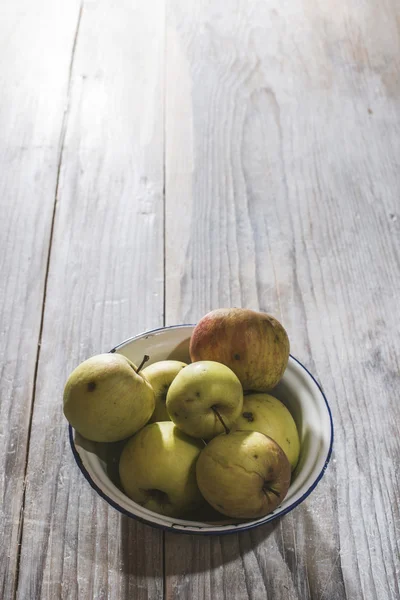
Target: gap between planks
64, 125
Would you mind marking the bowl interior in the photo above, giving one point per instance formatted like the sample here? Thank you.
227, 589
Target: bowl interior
297, 390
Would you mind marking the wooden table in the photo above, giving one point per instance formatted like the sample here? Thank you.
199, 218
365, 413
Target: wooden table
161, 158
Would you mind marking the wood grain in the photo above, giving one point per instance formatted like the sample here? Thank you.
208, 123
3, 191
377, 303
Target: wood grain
284, 176
105, 283
33, 80
282, 125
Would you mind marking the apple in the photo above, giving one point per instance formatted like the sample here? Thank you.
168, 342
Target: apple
106, 399
158, 469
205, 399
243, 474
253, 344
266, 414
160, 375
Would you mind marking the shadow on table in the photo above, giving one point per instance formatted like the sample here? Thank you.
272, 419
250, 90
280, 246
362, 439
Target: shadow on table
145, 550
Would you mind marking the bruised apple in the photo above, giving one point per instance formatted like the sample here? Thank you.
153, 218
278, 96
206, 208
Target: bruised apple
243, 474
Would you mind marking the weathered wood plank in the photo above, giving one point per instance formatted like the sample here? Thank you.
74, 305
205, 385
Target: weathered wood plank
33, 82
105, 283
282, 166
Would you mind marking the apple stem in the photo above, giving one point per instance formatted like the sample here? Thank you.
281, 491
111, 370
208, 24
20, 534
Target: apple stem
220, 419
144, 361
273, 491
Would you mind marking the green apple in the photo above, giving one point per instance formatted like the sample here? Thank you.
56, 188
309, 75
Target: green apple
158, 469
266, 414
253, 344
243, 474
160, 375
106, 399
205, 399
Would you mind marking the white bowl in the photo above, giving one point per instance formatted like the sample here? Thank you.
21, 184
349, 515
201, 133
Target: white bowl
298, 390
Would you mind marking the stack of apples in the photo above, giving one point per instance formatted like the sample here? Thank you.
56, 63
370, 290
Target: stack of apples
201, 434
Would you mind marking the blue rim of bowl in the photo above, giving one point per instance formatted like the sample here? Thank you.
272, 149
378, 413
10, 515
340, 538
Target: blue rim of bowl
191, 529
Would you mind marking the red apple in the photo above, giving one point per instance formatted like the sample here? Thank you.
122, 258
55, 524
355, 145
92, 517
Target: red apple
254, 345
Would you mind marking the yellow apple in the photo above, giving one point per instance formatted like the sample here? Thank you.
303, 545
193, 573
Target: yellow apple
106, 400
160, 375
243, 474
204, 399
158, 470
266, 414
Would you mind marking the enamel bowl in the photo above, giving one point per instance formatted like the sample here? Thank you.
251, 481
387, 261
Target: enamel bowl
298, 390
